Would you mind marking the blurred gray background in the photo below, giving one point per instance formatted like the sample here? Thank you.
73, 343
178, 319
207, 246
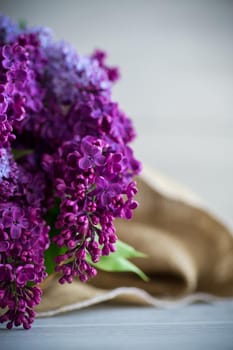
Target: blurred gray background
176, 61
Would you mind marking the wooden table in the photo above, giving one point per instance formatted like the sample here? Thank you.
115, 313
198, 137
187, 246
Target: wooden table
194, 327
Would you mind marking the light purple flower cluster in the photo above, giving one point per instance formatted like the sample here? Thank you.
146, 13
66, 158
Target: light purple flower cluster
56, 111
20, 91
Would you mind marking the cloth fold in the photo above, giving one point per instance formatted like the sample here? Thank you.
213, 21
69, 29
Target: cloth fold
189, 249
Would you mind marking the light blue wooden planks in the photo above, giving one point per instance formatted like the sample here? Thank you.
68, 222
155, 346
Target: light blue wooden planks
197, 326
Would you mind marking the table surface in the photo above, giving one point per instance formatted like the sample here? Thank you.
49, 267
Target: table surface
198, 326
176, 62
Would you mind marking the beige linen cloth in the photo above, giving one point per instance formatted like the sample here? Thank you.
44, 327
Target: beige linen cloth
190, 255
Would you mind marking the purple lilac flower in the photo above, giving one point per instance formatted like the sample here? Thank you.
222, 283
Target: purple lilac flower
93, 179
75, 88
4, 164
23, 240
8, 29
57, 104
68, 73
14, 220
91, 149
21, 63
89, 160
8, 175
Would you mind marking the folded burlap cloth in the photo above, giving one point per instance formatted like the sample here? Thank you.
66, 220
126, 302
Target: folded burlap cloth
190, 255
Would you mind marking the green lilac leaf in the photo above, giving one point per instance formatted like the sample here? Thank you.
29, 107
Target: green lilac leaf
115, 263
127, 251
50, 255
22, 23
53, 250
19, 153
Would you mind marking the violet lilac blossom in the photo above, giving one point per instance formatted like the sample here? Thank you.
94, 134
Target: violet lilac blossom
62, 140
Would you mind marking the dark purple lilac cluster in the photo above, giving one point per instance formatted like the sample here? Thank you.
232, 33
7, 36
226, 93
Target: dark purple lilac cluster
23, 239
62, 140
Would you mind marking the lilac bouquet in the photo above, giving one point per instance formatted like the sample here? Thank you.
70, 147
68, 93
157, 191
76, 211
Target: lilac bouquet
66, 170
